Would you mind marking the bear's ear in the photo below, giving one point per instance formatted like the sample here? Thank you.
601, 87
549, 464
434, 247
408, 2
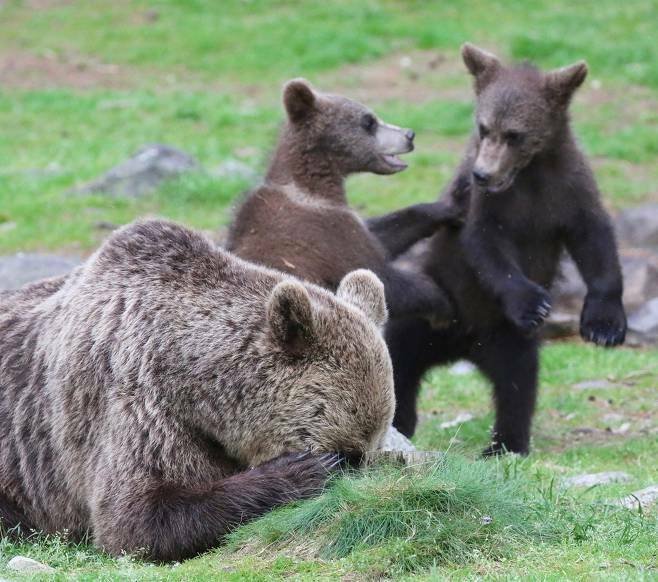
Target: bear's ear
364, 290
299, 99
562, 83
481, 64
290, 317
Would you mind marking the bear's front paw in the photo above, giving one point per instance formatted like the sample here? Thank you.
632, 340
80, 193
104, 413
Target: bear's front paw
528, 308
603, 321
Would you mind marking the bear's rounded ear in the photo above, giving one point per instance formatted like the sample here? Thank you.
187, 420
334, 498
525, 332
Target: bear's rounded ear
562, 83
299, 99
482, 64
290, 317
364, 290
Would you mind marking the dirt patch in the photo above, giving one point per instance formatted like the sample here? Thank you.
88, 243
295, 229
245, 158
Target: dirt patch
411, 76
24, 70
45, 4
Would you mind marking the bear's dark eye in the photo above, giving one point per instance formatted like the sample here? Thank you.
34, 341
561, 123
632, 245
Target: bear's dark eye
369, 123
483, 129
513, 137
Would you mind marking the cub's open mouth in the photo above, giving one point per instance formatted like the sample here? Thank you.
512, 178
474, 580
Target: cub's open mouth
394, 162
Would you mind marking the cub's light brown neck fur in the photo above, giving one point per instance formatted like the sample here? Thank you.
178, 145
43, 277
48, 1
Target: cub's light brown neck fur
311, 169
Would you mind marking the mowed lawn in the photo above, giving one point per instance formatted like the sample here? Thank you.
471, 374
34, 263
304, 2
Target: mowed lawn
84, 84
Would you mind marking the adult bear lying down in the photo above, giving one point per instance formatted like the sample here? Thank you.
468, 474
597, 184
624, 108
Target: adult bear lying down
138, 394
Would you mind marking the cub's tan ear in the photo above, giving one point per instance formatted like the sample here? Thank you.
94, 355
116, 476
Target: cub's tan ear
364, 290
479, 62
290, 317
562, 83
298, 99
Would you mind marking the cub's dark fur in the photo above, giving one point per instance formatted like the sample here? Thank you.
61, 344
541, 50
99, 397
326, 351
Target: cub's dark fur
166, 391
530, 195
299, 221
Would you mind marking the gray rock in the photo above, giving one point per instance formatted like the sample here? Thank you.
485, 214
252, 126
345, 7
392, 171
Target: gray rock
592, 479
142, 173
638, 226
21, 268
396, 441
644, 497
643, 323
461, 418
595, 385
27, 565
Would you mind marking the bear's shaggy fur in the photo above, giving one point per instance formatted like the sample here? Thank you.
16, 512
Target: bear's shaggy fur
299, 220
530, 195
138, 394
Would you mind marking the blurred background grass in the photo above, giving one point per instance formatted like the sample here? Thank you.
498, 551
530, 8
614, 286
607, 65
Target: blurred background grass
84, 84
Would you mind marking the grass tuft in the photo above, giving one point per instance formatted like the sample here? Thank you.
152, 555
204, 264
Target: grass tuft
452, 511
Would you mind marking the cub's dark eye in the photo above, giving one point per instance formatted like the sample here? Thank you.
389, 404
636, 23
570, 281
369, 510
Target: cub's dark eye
369, 123
513, 137
483, 129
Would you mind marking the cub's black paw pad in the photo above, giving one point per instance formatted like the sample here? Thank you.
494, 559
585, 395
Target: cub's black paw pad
529, 310
603, 323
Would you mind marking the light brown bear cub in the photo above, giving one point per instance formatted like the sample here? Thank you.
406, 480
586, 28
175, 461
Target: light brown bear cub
138, 394
299, 220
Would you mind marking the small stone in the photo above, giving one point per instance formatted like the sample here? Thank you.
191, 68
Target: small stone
592, 479
644, 497
594, 385
396, 441
27, 565
622, 428
461, 418
462, 368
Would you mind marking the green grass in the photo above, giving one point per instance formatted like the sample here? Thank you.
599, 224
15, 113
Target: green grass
205, 76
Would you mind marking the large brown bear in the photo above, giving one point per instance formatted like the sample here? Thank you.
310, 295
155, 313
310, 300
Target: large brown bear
299, 220
530, 195
167, 391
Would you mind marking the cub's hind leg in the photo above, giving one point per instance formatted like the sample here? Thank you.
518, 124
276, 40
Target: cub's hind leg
510, 360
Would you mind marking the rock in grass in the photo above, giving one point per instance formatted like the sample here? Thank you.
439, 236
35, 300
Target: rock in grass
397, 448
396, 441
645, 498
643, 323
461, 418
592, 479
21, 268
27, 565
142, 173
639, 225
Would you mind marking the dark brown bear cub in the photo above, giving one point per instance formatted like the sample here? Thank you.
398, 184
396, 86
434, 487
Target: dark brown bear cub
530, 195
167, 391
299, 221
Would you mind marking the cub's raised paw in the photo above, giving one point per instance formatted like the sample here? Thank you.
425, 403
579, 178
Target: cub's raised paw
528, 308
603, 322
